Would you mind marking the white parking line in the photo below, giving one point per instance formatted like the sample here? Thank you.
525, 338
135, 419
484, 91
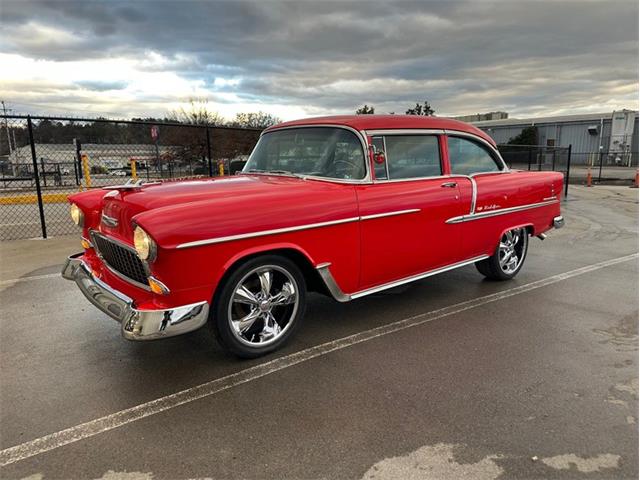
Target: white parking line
28, 279
104, 424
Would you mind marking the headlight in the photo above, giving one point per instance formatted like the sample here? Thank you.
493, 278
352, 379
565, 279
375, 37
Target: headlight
76, 215
144, 245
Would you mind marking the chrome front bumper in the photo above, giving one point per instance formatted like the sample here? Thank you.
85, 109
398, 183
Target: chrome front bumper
135, 324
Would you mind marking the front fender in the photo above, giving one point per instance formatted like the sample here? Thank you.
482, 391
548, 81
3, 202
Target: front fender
266, 248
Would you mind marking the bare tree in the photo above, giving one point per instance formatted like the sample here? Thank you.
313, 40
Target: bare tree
254, 120
197, 113
424, 109
365, 110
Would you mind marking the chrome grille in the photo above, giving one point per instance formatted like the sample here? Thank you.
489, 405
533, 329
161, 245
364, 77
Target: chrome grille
120, 258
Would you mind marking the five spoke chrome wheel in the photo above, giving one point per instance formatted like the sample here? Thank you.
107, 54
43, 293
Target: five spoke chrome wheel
511, 250
263, 305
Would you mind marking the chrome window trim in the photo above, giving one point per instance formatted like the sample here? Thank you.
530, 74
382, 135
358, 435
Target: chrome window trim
363, 143
502, 211
390, 214
414, 179
386, 159
406, 131
456, 133
337, 293
262, 233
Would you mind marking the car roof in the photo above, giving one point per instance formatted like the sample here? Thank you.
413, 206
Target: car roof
388, 122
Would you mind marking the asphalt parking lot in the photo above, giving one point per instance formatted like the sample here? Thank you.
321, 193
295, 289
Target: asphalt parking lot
451, 377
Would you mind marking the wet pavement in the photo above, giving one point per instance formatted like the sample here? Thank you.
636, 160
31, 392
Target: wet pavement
450, 377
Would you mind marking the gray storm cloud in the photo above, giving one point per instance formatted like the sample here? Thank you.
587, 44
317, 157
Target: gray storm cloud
528, 57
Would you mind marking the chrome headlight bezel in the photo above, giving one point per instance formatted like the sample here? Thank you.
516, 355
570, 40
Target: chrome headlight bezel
77, 215
144, 245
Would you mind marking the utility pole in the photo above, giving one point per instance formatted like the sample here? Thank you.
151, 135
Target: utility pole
6, 125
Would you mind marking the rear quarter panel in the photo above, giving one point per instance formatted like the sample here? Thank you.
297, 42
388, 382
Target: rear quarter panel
508, 190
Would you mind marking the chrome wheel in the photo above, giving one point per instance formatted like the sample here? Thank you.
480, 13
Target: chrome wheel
512, 249
263, 305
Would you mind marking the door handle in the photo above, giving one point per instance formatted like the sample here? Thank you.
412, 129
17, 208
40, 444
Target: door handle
449, 185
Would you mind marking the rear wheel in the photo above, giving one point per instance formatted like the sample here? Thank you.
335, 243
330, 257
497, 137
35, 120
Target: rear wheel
508, 257
260, 306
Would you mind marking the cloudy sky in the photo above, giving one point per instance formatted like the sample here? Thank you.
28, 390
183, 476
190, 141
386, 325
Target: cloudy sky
303, 58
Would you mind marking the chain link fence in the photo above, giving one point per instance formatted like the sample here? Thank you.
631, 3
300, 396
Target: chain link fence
605, 167
45, 159
538, 158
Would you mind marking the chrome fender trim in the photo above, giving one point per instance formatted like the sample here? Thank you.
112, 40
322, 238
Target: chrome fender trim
330, 282
337, 293
297, 228
263, 233
502, 211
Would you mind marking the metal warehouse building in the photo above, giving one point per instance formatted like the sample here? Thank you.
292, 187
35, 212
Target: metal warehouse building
614, 134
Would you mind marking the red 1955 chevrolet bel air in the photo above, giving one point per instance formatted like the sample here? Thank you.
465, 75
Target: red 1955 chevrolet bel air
346, 206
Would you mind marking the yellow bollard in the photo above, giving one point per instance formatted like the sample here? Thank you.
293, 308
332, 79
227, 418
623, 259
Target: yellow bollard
134, 172
221, 169
85, 168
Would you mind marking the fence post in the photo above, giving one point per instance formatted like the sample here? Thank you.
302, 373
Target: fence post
77, 166
134, 169
36, 177
44, 174
566, 183
600, 169
530, 151
209, 152
86, 170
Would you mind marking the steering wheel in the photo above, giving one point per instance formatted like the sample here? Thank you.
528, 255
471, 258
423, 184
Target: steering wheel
351, 167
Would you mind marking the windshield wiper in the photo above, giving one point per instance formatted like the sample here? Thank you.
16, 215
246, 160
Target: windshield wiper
274, 172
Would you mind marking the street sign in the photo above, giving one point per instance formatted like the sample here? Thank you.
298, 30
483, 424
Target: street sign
154, 132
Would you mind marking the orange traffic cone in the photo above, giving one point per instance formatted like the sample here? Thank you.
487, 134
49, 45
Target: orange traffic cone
635, 180
589, 178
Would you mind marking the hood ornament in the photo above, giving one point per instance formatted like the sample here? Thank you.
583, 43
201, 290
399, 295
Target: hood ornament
129, 185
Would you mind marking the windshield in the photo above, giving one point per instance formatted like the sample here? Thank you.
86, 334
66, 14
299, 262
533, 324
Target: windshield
318, 151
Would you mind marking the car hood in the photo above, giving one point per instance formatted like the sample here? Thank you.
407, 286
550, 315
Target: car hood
236, 199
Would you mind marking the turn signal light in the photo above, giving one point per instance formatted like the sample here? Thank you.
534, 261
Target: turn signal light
157, 286
85, 243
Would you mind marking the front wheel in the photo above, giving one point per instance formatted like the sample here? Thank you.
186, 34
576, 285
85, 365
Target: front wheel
508, 257
259, 307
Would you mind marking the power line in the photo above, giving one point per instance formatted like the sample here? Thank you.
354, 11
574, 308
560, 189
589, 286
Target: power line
54, 106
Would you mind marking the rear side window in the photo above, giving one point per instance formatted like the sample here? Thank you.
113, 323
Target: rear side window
468, 157
408, 156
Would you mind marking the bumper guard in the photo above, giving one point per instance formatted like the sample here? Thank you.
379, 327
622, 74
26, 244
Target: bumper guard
135, 324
